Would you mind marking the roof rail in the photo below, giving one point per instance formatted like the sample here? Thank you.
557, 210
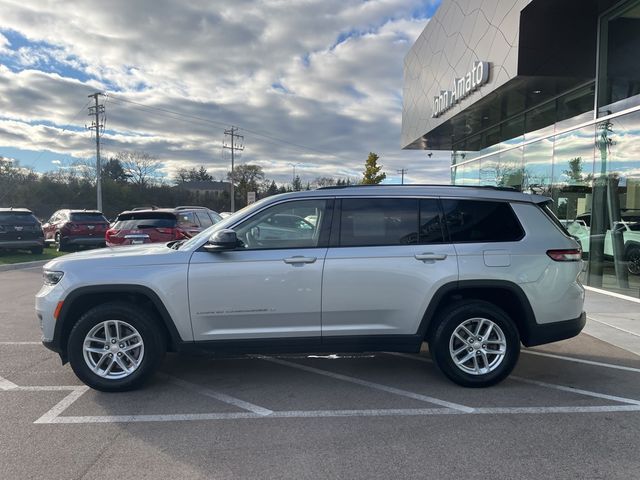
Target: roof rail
152, 207
187, 207
488, 187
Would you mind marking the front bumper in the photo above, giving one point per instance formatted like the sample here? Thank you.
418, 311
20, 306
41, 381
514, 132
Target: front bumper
538, 334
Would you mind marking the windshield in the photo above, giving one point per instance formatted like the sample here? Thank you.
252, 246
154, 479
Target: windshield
224, 223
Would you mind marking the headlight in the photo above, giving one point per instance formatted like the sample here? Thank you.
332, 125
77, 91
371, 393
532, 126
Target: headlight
52, 277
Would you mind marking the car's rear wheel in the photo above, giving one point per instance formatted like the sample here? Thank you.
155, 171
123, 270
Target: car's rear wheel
115, 347
475, 344
60, 244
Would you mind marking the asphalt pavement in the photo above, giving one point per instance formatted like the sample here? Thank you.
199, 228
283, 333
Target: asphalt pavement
570, 410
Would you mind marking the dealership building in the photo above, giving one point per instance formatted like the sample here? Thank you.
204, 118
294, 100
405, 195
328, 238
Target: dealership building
542, 96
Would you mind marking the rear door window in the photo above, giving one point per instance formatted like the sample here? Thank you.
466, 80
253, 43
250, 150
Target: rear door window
187, 220
480, 221
378, 221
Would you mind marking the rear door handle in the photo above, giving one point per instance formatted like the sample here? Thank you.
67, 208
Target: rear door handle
425, 257
298, 260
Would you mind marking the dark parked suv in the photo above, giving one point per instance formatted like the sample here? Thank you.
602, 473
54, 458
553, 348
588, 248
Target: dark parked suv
155, 225
73, 228
19, 229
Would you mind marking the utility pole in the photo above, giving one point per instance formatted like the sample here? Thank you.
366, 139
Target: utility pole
402, 171
293, 178
97, 110
233, 146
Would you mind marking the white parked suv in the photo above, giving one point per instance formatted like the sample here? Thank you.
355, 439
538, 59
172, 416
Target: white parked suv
472, 271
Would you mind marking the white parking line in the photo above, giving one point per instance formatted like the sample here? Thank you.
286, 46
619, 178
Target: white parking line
6, 384
578, 391
365, 383
580, 360
20, 343
332, 414
62, 405
563, 388
219, 396
614, 327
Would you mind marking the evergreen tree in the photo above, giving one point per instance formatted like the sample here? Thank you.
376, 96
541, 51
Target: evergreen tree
372, 175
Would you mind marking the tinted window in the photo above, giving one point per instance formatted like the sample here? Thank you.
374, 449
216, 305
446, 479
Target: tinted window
379, 221
215, 218
12, 218
205, 221
187, 219
88, 217
431, 223
481, 221
136, 221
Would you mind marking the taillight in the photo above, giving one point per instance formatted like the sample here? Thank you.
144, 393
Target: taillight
566, 255
111, 233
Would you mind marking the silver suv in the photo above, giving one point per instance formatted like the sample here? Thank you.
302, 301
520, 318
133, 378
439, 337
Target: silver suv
472, 271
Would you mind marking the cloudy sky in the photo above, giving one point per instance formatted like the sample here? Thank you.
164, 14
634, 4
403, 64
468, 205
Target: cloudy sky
313, 83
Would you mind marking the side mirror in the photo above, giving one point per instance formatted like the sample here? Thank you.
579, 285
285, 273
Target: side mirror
225, 239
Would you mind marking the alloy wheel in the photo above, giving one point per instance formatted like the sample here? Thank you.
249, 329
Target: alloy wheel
477, 346
113, 349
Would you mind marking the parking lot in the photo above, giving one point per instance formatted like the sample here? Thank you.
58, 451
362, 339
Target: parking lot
570, 410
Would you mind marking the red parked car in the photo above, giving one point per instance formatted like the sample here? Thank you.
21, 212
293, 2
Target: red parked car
73, 228
155, 225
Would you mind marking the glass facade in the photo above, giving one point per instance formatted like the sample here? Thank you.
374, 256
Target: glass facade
588, 163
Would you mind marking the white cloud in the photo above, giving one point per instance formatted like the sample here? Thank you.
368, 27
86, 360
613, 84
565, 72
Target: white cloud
219, 61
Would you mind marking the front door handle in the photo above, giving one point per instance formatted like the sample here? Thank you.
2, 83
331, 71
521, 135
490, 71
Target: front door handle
298, 260
430, 257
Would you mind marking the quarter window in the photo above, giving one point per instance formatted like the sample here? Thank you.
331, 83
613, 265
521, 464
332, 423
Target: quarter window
205, 221
481, 221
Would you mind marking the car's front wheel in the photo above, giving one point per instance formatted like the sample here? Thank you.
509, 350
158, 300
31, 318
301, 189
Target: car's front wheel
475, 344
633, 260
115, 347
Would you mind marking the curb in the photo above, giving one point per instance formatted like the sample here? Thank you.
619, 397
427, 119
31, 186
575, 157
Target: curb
22, 265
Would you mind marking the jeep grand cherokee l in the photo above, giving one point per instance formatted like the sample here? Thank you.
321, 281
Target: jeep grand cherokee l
473, 271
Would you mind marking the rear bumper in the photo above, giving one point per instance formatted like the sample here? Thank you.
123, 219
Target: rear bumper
538, 334
35, 242
92, 241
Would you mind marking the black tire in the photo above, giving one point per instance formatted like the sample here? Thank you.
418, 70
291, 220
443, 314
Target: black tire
37, 250
633, 260
61, 246
148, 327
455, 316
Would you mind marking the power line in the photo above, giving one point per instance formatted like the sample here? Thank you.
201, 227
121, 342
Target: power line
273, 139
402, 171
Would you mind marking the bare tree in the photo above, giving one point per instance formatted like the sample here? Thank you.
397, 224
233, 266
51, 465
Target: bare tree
140, 167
